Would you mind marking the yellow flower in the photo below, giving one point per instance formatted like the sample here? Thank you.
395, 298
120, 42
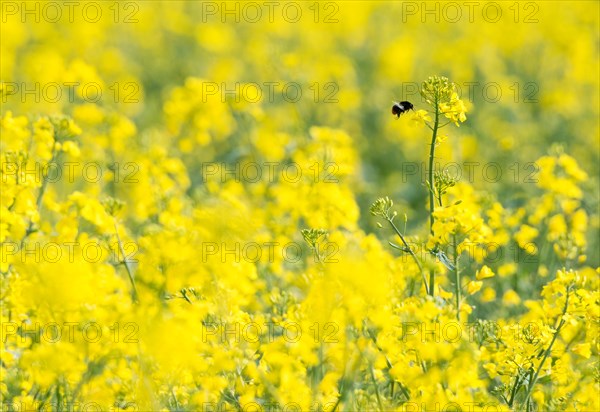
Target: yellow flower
511, 298
583, 349
420, 118
445, 294
71, 148
474, 286
219, 177
442, 96
484, 273
454, 110
507, 269
488, 295
525, 237
491, 369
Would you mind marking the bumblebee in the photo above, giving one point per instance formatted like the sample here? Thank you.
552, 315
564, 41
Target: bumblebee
401, 107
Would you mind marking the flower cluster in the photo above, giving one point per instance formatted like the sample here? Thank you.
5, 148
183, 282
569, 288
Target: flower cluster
154, 250
442, 96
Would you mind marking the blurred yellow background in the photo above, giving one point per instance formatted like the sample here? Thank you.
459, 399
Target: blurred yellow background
172, 107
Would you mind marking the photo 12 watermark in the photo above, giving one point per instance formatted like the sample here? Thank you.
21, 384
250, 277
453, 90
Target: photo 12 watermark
253, 12
70, 92
268, 332
270, 172
488, 92
470, 12
69, 172
270, 91
60, 12
488, 172
54, 332
90, 251
470, 252
267, 252
451, 332
66, 405
458, 406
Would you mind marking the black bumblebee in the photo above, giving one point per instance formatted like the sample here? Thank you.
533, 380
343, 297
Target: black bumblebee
401, 107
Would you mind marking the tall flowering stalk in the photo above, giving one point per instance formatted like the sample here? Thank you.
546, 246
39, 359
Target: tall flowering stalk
441, 95
382, 207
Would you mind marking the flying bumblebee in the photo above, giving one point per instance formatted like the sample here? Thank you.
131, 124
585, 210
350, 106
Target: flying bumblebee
401, 107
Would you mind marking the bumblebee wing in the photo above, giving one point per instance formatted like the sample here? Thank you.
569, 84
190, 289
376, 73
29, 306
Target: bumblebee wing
445, 260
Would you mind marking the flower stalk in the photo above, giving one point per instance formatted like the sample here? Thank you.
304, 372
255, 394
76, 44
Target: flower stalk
431, 184
382, 207
442, 97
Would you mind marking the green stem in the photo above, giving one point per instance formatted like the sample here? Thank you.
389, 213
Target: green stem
431, 188
389, 366
457, 276
376, 389
134, 294
547, 353
513, 392
40, 195
409, 250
